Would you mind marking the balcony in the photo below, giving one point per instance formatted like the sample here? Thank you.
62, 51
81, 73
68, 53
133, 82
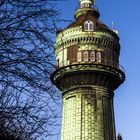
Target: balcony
103, 62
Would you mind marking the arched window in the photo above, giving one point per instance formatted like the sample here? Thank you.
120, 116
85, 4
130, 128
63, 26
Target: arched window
85, 56
98, 56
92, 56
88, 26
79, 57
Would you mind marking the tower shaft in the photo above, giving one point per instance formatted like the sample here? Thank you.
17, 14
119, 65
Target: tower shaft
88, 114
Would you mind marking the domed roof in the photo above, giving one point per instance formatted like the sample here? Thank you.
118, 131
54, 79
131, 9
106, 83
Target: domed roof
88, 13
88, 16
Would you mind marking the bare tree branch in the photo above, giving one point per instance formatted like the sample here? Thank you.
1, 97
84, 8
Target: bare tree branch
28, 100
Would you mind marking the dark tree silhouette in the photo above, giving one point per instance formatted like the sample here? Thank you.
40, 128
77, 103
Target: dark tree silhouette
119, 137
27, 97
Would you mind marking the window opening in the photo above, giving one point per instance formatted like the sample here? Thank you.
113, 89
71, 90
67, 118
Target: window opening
57, 63
86, 56
88, 26
79, 57
98, 56
92, 56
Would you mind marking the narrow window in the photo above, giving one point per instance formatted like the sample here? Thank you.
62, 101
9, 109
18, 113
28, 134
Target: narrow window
88, 26
98, 56
57, 63
92, 56
60, 64
79, 57
85, 56
82, 5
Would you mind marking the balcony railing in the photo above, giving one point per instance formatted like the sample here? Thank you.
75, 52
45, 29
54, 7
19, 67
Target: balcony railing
104, 62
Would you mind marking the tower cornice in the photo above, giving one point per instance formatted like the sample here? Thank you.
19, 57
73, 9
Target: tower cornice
112, 76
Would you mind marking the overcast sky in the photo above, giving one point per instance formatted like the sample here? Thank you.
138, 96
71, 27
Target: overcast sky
126, 17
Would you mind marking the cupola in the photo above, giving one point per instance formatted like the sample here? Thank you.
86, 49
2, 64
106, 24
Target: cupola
87, 7
86, 3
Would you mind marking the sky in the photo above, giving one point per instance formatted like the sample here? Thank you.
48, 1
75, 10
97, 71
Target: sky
126, 18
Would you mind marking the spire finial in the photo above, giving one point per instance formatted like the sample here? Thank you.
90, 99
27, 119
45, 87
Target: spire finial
113, 28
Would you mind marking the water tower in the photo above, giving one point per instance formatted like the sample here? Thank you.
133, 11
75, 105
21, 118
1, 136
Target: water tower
88, 71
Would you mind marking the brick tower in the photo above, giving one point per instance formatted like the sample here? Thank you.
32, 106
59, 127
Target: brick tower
87, 73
